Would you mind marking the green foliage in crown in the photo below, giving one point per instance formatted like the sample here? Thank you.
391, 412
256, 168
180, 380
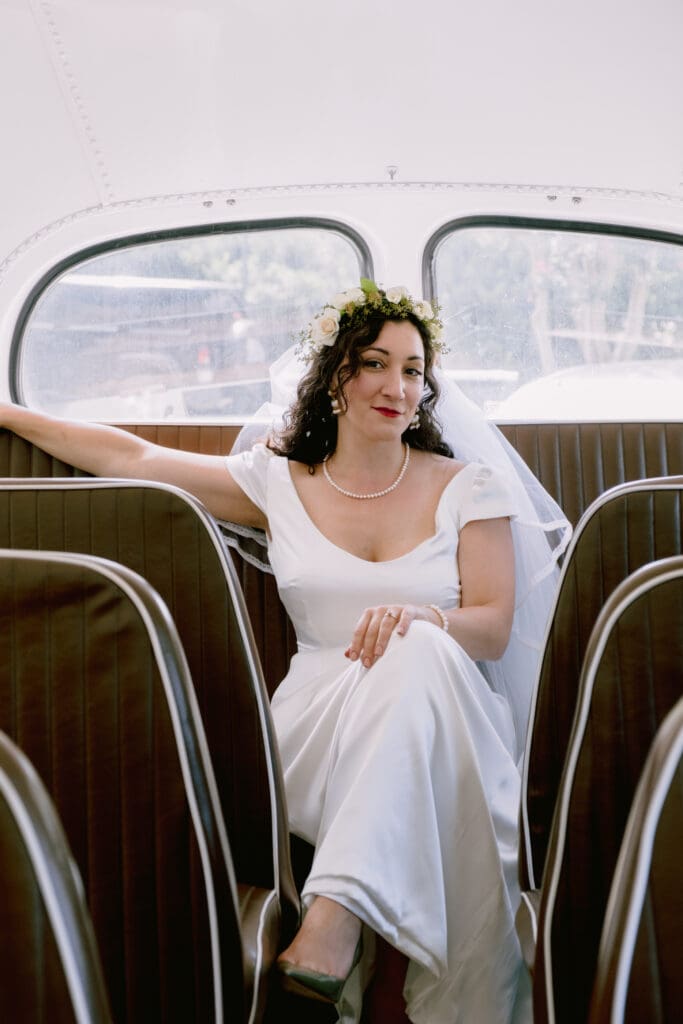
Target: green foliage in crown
352, 307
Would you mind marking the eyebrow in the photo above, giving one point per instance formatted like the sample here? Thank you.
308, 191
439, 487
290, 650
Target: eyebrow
384, 351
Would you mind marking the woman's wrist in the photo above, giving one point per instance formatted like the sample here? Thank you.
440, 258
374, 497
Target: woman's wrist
440, 615
12, 414
4, 411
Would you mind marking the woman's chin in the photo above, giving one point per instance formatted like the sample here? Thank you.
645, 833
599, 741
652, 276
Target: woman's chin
387, 427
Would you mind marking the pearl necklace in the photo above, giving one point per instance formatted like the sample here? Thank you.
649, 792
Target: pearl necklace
375, 494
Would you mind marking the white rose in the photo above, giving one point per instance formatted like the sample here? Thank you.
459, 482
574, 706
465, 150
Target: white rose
396, 294
325, 328
423, 311
354, 295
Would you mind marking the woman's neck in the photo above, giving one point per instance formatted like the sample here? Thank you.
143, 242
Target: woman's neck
367, 465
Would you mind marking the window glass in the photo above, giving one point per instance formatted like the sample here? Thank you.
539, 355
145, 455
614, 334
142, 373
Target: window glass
559, 325
185, 327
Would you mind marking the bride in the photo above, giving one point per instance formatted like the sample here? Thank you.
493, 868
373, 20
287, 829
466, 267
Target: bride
418, 603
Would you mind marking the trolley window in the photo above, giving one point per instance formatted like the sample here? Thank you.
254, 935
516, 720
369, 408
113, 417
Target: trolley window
179, 327
547, 323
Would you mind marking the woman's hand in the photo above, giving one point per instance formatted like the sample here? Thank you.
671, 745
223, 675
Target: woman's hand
375, 626
482, 623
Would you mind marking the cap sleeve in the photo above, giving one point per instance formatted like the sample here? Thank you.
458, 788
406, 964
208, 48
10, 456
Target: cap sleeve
249, 470
487, 497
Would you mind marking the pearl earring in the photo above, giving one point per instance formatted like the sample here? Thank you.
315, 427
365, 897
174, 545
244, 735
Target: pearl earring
415, 422
336, 408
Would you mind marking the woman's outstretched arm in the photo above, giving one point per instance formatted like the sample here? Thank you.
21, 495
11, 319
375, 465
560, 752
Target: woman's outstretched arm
108, 451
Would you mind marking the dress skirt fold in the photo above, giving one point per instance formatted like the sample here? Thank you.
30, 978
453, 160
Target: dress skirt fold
413, 812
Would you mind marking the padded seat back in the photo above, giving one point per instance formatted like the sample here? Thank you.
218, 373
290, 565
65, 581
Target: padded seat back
272, 629
167, 537
626, 528
632, 677
577, 462
49, 963
94, 688
639, 975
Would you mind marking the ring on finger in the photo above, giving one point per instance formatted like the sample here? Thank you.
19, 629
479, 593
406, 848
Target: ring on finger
389, 614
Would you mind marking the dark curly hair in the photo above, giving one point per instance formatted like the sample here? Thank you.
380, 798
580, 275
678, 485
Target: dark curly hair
310, 429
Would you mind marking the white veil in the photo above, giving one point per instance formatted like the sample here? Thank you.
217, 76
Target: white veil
540, 530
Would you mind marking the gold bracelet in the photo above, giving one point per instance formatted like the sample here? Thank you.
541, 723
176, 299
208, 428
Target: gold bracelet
441, 613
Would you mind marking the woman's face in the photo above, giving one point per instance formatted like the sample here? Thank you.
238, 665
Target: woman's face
381, 400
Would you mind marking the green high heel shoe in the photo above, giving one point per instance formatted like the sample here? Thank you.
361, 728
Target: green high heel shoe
327, 988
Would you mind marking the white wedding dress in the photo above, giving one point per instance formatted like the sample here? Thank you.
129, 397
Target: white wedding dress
403, 775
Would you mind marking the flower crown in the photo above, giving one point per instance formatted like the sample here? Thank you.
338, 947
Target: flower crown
351, 307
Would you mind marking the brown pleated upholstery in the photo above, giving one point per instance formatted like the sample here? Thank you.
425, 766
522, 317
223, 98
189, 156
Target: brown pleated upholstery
576, 462
272, 629
50, 971
203, 588
94, 688
169, 538
632, 677
627, 527
264, 613
21, 458
639, 976
189, 437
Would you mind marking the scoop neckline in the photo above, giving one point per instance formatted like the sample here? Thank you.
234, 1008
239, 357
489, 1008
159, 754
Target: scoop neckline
367, 561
